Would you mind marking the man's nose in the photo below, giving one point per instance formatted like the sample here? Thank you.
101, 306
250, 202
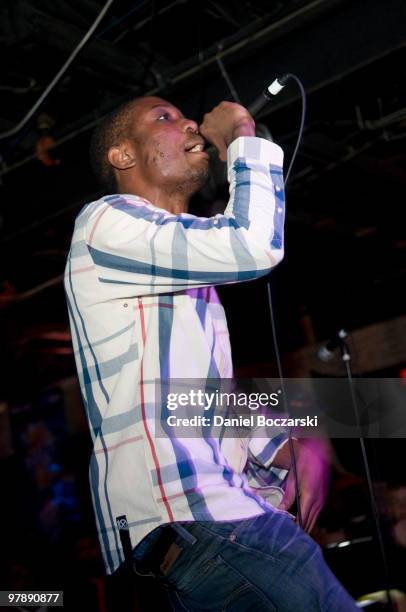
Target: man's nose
190, 126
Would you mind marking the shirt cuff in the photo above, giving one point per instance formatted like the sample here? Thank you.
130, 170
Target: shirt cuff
255, 149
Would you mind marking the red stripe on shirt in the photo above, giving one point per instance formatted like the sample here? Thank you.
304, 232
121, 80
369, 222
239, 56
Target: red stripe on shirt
114, 446
144, 419
99, 216
182, 493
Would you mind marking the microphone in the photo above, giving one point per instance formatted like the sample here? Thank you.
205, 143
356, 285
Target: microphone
326, 351
268, 94
218, 169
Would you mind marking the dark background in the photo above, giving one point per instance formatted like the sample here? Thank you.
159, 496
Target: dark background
345, 262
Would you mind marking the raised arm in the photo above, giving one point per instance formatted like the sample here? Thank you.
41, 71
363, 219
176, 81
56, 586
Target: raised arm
134, 243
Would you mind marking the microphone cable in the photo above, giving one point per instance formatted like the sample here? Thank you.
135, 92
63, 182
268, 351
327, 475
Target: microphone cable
270, 302
267, 96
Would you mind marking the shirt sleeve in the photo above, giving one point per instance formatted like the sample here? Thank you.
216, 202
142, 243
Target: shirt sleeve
262, 450
136, 245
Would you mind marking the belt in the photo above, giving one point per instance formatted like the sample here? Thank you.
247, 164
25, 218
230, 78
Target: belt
163, 552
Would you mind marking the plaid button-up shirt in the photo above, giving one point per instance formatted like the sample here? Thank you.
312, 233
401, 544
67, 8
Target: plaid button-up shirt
142, 306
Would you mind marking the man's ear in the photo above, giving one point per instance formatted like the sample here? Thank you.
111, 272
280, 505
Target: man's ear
122, 156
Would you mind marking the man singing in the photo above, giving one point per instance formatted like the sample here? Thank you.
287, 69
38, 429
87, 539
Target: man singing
140, 282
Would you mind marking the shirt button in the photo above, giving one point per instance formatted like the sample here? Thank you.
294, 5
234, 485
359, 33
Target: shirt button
125, 305
215, 222
280, 209
277, 188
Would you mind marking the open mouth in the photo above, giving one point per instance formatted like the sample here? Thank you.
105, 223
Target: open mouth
195, 147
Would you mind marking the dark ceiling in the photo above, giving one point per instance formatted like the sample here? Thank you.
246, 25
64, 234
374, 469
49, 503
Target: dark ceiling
345, 258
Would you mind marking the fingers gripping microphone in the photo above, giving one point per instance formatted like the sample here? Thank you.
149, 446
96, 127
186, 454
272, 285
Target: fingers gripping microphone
267, 95
218, 169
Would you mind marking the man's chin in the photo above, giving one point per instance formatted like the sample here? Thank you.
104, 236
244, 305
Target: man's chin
195, 179
201, 176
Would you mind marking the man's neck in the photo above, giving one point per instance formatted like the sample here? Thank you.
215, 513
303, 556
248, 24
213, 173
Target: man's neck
174, 201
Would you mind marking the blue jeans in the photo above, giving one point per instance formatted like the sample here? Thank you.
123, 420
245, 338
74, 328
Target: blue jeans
264, 563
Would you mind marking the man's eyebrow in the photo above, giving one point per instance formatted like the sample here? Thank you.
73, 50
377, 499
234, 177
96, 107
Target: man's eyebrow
166, 106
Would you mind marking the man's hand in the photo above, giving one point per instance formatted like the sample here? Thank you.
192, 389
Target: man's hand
313, 472
225, 123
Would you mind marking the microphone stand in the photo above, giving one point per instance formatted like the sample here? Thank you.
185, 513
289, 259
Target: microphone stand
346, 359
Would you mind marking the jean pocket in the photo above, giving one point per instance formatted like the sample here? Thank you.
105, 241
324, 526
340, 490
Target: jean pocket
217, 584
248, 598
191, 577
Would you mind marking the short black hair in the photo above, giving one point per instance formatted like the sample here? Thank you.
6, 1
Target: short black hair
112, 129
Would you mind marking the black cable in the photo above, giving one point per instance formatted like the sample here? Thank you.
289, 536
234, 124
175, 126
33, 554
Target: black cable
302, 121
271, 310
276, 86
280, 83
285, 405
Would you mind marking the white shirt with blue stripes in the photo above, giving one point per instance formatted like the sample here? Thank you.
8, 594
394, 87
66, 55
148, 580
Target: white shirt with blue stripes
142, 307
